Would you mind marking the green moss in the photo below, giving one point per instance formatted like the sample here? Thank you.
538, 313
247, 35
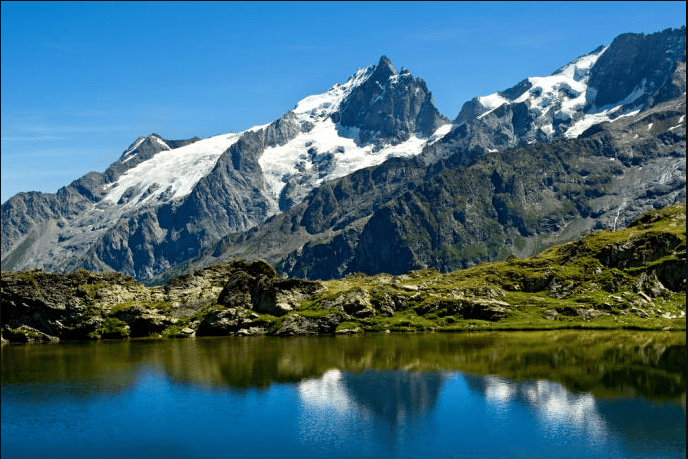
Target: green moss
348, 325
113, 328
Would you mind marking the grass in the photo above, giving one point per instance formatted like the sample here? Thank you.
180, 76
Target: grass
577, 285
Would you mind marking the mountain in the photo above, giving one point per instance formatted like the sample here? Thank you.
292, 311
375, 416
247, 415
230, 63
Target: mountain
522, 169
370, 177
630, 278
633, 73
164, 201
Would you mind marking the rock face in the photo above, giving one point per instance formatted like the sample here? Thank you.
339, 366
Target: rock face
390, 106
634, 73
403, 215
648, 63
590, 147
540, 163
258, 286
141, 217
633, 271
298, 325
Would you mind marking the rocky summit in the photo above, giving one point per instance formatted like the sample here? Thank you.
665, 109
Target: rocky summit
629, 278
370, 177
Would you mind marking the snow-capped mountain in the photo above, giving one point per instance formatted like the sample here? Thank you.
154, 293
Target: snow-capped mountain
171, 174
538, 164
164, 200
329, 147
633, 73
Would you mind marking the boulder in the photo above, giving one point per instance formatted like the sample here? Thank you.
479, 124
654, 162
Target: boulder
26, 334
278, 297
144, 321
237, 291
257, 286
648, 285
639, 251
224, 322
355, 302
298, 325
479, 308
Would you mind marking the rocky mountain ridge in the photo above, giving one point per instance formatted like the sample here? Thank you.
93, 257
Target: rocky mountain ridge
163, 201
317, 190
403, 215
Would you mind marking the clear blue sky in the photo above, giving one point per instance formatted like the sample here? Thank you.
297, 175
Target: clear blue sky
81, 81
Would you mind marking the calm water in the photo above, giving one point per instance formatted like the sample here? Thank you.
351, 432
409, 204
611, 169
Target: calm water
530, 395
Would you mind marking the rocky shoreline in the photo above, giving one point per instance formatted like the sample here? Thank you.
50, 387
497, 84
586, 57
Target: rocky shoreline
633, 278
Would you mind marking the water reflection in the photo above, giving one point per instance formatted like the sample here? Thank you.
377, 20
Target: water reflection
392, 396
387, 402
605, 364
487, 410
564, 394
660, 425
551, 402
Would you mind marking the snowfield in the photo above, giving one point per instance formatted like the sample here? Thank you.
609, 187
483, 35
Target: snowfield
170, 174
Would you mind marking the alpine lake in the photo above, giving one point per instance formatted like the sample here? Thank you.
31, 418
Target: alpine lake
564, 394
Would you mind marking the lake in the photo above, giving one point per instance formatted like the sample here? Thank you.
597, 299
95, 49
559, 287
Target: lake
567, 394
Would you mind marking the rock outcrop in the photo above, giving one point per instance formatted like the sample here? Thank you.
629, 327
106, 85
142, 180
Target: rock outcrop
612, 277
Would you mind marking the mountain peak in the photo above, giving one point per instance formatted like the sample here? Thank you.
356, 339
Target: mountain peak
383, 70
386, 62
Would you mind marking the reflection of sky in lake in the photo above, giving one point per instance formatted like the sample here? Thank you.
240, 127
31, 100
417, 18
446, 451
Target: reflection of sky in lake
234, 397
462, 415
555, 407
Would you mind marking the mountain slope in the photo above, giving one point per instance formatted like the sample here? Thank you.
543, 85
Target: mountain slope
403, 215
466, 199
369, 176
634, 73
631, 278
164, 201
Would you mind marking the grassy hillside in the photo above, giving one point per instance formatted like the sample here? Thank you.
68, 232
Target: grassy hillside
632, 278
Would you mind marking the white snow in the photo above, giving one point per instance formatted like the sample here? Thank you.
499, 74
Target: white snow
568, 86
594, 118
138, 142
161, 142
173, 172
323, 105
680, 120
633, 96
547, 129
282, 162
563, 95
329, 142
492, 101
580, 68
546, 91
584, 123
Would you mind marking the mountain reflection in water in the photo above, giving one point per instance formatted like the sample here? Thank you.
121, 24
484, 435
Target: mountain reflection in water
542, 394
400, 402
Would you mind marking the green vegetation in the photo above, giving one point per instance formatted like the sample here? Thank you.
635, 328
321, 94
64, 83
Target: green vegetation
112, 328
626, 279
633, 278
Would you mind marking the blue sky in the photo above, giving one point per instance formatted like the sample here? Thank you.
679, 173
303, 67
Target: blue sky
81, 81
